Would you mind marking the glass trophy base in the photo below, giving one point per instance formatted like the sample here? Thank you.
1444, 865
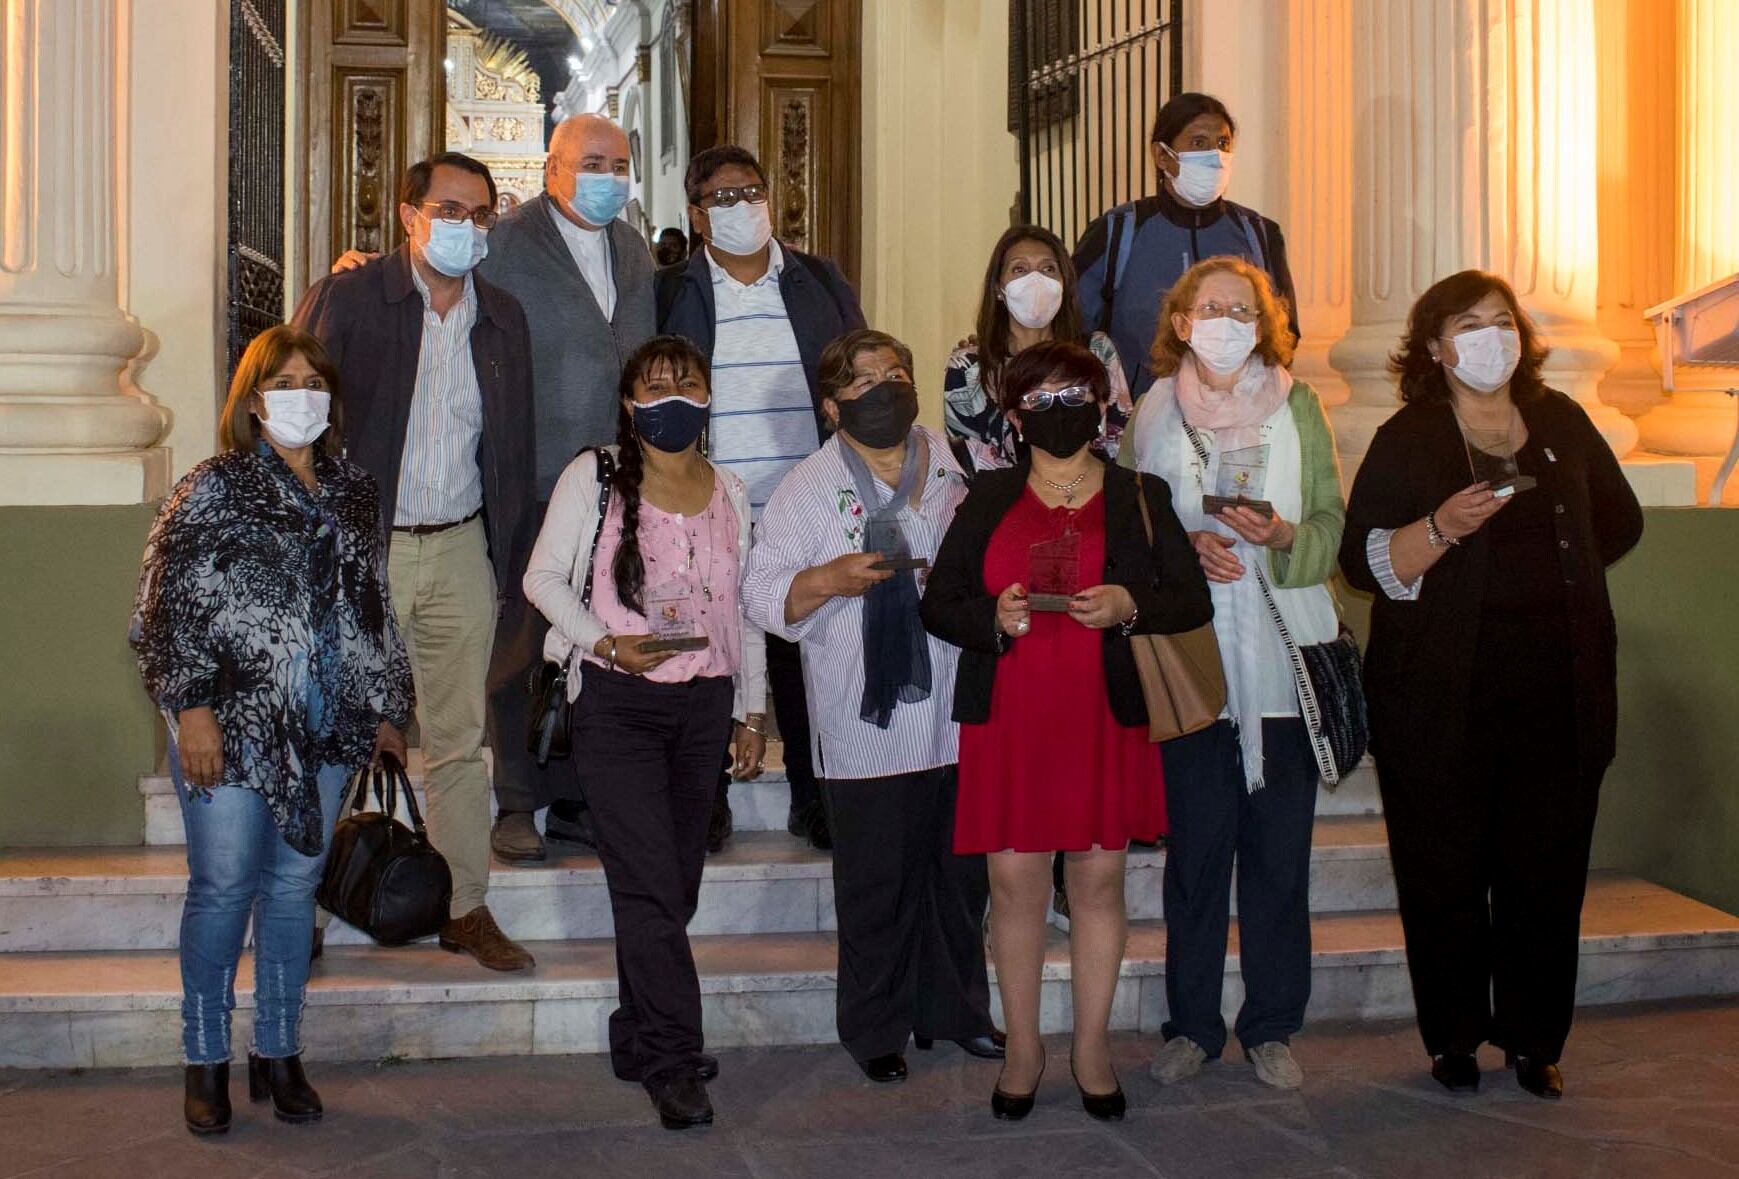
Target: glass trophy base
678, 643
898, 564
1509, 487
1215, 504
1050, 603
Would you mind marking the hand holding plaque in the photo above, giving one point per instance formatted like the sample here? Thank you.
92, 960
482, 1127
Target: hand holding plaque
670, 614
1243, 476
1054, 572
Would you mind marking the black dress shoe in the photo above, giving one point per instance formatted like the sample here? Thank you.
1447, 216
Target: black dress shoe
1457, 1072
570, 822
679, 1096
884, 1070
719, 826
207, 1102
282, 1079
1012, 1107
988, 1047
820, 834
1542, 1080
1106, 1107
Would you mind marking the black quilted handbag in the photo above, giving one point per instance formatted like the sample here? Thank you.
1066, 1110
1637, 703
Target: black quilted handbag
1337, 675
384, 878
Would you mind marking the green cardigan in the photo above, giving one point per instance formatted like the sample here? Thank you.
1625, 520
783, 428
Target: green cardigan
1311, 560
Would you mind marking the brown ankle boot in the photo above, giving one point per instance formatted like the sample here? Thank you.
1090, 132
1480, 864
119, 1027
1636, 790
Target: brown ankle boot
477, 934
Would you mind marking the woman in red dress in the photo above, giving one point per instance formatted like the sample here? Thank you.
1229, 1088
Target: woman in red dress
1043, 576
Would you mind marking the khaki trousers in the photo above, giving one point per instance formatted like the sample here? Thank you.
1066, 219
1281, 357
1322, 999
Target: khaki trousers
443, 591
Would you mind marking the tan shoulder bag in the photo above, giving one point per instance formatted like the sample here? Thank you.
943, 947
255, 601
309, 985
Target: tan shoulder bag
1182, 678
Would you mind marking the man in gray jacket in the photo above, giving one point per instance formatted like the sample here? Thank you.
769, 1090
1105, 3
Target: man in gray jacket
585, 280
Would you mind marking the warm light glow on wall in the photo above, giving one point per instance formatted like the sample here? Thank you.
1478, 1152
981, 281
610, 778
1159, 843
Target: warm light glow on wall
1708, 156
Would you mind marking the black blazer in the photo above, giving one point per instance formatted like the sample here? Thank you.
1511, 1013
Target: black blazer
371, 321
1164, 578
1419, 661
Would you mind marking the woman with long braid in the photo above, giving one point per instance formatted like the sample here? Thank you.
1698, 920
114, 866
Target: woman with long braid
637, 569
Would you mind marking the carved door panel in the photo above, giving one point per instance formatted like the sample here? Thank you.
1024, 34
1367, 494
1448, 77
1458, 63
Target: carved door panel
373, 104
781, 78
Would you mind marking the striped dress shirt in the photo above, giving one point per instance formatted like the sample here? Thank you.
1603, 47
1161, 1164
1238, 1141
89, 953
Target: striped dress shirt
440, 480
813, 517
763, 419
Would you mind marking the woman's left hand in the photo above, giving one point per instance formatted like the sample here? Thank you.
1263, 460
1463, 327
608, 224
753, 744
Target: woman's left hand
1271, 532
387, 739
1102, 606
751, 751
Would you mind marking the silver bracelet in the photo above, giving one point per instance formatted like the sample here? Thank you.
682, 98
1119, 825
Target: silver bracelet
1128, 624
1435, 536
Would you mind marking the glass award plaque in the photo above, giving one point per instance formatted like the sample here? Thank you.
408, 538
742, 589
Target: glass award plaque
1491, 456
1054, 572
1243, 476
887, 538
670, 614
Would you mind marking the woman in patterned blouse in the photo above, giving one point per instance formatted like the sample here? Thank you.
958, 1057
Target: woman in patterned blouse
267, 640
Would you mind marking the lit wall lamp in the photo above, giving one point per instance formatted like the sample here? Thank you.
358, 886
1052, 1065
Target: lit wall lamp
1701, 331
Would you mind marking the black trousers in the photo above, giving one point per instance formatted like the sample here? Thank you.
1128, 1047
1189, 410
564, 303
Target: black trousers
520, 785
1491, 863
1216, 823
911, 914
652, 764
791, 708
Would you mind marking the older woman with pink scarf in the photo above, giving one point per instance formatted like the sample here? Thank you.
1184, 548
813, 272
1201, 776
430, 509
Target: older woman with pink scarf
1250, 461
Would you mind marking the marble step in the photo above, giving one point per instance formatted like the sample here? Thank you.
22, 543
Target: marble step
121, 1009
761, 805
763, 882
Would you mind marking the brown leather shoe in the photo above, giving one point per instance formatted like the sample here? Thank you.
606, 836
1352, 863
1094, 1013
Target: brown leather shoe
514, 839
477, 934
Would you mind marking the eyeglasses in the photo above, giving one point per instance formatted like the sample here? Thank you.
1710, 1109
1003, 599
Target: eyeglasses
1242, 312
1043, 399
724, 198
454, 213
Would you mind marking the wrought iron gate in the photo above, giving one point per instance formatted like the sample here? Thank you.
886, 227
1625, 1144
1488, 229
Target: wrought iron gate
1086, 78
256, 171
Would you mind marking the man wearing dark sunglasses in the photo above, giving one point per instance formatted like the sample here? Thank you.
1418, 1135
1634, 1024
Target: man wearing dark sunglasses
762, 312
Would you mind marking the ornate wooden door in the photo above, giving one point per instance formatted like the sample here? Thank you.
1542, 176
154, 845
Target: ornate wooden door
373, 103
781, 78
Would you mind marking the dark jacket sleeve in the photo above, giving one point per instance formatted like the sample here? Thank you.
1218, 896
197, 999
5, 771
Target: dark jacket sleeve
1612, 506
1281, 271
320, 315
1381, 498
844, 296
956, 607
1177, 598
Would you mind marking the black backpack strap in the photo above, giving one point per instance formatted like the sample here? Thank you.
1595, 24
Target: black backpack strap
606, 474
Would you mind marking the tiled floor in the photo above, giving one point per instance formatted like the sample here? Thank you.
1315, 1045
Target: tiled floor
1654, 1090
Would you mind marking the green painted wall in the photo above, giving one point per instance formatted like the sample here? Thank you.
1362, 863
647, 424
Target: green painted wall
76, 730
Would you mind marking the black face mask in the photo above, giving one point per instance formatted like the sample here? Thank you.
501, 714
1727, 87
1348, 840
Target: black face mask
882, 416
1062, 429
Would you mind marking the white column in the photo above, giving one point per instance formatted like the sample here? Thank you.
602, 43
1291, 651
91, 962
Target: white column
1476, 148
72, 429
1318, 218
1707, 215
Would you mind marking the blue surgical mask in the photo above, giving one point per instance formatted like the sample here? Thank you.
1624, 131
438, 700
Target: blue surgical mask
600, 197
455, 249
670, 424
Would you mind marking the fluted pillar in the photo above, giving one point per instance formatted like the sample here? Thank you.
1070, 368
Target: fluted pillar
69, 433
1706, 221
1476, 149
1319, 184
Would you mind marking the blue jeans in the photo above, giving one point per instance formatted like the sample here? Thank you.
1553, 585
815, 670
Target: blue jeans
239, 866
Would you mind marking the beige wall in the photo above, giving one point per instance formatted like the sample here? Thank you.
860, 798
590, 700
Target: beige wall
172, 222
939, 170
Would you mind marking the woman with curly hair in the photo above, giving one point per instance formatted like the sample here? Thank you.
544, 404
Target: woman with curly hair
1483, 520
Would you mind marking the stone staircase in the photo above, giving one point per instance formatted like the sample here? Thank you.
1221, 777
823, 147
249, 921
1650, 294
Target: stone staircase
89, 975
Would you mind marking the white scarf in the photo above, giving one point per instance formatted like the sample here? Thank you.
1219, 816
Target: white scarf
1250, 647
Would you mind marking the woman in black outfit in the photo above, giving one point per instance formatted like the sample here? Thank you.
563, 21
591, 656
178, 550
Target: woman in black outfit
1491, 671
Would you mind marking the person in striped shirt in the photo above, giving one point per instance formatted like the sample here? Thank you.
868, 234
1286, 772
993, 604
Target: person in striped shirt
762, 312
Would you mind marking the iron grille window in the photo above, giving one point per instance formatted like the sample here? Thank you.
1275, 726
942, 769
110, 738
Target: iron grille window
256, 171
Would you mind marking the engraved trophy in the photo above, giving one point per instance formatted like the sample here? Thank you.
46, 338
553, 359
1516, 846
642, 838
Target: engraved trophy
887, 538
1054, 572
1243, 475
670, 615
1491, 456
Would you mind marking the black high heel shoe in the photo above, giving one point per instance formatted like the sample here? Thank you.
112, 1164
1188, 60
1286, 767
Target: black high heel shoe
1012, 1107
282, 1079
991, 1047
1106, 1107
206, 1105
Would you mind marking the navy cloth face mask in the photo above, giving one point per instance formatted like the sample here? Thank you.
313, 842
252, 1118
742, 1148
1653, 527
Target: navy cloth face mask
670, 424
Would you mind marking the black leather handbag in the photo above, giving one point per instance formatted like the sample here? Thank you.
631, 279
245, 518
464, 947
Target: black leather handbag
384, 878
550, 735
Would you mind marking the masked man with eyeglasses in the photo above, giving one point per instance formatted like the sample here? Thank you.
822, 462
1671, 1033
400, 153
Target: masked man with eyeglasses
762, 312
435, 364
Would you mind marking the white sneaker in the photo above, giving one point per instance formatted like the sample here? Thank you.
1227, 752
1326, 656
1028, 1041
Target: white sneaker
1178, 1060
1275, 1066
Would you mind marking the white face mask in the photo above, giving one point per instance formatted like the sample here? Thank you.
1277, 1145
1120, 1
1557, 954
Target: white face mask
1033, 299
1202, 176
1222, 344
741, 229
296, 417
1487, 357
